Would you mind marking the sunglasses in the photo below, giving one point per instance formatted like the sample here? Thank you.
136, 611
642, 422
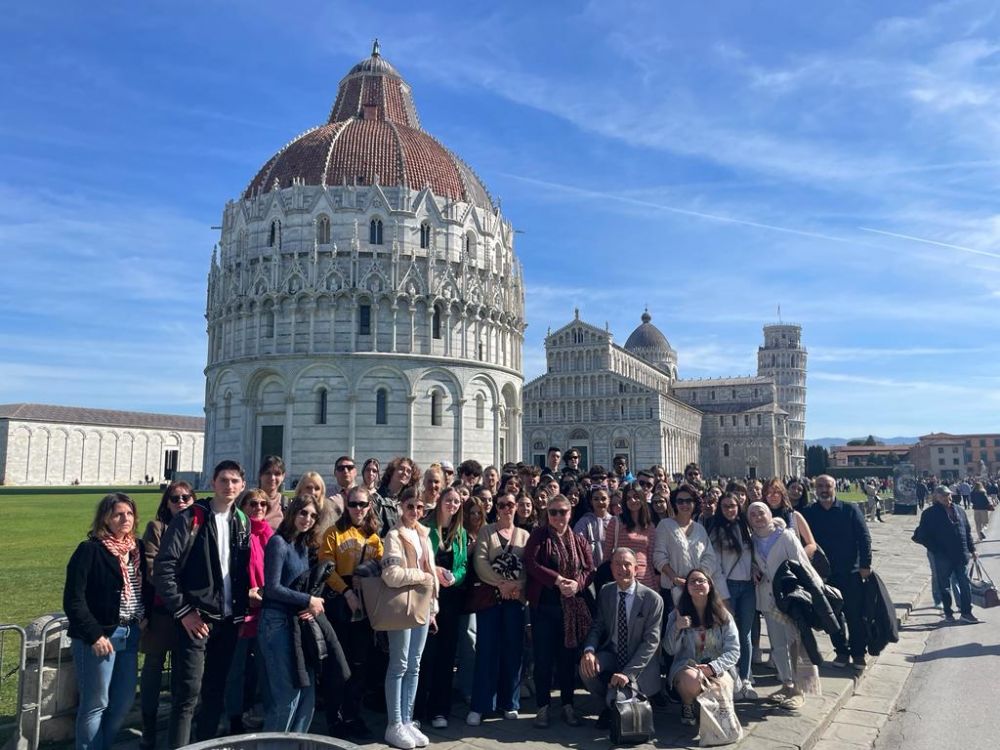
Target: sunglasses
308, 514
411, 506
505, 506
557, 511
179, 498
646, 485
346, 467
358, 505
685, 501
256, 503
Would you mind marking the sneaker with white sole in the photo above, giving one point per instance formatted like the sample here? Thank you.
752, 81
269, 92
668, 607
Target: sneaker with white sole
419, 738
688, 718
474, 718
439, 722
510, 715
748, 692
397, 736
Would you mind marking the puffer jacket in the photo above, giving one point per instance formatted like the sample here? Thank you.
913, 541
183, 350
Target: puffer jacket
315, 640
802, 597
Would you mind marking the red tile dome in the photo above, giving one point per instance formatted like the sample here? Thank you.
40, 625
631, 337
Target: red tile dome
373, 135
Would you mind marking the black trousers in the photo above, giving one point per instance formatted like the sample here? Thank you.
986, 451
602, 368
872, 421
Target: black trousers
341, 700
852, 589
199, 670
437, 665
552, 658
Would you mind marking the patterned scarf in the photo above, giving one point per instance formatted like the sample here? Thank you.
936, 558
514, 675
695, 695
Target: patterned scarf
122, 549
576, 615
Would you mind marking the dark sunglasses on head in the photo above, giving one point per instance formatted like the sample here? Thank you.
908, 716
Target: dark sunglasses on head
557, 511
179, 498
356, 504
346, 467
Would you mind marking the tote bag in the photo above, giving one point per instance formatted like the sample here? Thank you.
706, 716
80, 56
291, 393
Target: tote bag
391, 608
719, 725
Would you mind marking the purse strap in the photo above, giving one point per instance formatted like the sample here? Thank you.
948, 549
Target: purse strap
978, 573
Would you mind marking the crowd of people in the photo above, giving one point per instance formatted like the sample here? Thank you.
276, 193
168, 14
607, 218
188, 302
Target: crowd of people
516, 579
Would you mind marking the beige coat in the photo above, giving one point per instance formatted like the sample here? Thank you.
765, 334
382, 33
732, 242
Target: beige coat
399, 561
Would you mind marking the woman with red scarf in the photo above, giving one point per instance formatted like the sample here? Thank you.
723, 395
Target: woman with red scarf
104, 600
560, 566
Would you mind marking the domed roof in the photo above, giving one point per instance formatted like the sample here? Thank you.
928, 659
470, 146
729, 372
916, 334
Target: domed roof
373, 136
647, 339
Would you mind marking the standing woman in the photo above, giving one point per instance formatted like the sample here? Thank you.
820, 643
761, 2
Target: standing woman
559, 567
285, 559
491, 480
525, 518
798, 494
498, 559
408, 560
353, 539
270, 478
451, 552
386, 510
682, 544
433, 483
634, 529
311, 486
158, 637
776, 496
255, 504
474, 519
103, 601
773, 544
733, 544
593, 526
400, 474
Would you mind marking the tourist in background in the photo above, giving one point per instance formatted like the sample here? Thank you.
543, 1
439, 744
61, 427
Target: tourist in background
345, 476
105, 601
559, 568
981, 507
160, 634
270, 478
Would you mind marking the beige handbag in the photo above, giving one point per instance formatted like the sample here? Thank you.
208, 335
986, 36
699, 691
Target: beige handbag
391, 608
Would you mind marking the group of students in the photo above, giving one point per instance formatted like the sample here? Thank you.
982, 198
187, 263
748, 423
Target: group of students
257, 597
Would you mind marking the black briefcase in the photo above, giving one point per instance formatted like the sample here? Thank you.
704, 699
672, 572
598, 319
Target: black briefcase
631, 715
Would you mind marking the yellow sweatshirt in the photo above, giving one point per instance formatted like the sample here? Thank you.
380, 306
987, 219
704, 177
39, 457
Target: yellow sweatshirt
345, 549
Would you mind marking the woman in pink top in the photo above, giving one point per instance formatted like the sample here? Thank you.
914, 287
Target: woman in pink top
634, 529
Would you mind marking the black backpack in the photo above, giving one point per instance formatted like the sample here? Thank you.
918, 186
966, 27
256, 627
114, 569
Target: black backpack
631, 715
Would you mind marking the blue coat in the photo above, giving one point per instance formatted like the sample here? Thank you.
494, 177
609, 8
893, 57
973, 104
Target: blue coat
944, 538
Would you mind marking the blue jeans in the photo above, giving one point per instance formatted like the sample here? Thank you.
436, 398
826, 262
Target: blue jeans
107, 687
951, 570
743, 599
236, 683
405, 649
936, 584
290, 708
499, 645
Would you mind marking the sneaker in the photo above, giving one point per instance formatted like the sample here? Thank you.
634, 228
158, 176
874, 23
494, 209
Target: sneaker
748, 693
542, 717
687, 715
859, 662
793, 701
511, 715
474, 718
397, 736
419, 738
840, 661
439, 722
570, 717
971, 618
949, 617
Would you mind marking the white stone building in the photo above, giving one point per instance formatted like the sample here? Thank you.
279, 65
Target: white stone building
62, 445
604, 399
364, 298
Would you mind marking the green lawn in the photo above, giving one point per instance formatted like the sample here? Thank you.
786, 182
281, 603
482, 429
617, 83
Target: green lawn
39, 533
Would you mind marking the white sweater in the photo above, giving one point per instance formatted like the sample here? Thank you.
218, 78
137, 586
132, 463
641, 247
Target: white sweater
684, 552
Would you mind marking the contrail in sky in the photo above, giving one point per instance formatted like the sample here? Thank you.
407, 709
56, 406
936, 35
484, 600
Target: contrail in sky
926, 241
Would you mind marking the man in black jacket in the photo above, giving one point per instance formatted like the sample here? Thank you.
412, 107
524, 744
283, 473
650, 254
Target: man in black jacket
944, 530
201, 573
840, 529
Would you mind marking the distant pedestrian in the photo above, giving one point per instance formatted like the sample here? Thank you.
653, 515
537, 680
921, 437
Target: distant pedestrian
981, 507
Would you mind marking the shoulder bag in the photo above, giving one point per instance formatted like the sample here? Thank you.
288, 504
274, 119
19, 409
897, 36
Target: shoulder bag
631, 715
984, 593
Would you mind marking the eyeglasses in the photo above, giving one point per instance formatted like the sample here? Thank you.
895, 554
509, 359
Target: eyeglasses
572, 458
557, 511
308, 514
256, 503
346, 467
505, 506
411, 506
353, 504
179, 498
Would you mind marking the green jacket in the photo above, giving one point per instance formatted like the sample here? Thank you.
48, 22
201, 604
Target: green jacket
459, 548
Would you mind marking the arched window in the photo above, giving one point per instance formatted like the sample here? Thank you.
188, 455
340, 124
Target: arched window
323, 230
436, 409
381, 406
480, 411
365, 320
725, 450
274, 235
470, 246
267, 324
375, 232
321, 403
227, 411
425, 235
436, 322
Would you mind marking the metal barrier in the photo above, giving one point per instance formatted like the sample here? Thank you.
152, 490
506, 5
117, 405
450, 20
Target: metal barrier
17, 671
33, 698
274, 741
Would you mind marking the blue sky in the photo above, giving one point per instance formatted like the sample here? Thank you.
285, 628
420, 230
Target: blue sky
711, 160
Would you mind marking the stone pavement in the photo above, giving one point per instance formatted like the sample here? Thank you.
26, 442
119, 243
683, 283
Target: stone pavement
846, 712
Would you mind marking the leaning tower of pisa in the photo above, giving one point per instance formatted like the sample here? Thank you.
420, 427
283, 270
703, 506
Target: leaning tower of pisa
783, 358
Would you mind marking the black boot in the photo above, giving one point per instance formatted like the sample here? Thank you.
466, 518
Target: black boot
148, 739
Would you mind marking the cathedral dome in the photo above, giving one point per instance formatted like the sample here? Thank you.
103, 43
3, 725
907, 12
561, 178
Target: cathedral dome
373, 135
647, 339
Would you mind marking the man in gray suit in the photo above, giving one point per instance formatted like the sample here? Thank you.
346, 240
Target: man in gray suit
624, 639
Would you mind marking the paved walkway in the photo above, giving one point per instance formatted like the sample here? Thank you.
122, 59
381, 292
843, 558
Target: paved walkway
901, 564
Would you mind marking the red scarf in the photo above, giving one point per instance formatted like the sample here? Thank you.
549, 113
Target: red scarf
122, 550
576, 615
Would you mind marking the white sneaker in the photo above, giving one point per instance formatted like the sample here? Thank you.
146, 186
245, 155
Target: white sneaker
748, 692
758, 656
419, 738
510, 715
397, 736
439, 722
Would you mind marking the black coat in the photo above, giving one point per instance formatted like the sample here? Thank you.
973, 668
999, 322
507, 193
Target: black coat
942, 537
93, 592
878, 615
810, 607
315, 640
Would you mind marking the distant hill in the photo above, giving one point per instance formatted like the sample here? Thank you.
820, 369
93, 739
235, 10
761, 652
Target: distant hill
827, 442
